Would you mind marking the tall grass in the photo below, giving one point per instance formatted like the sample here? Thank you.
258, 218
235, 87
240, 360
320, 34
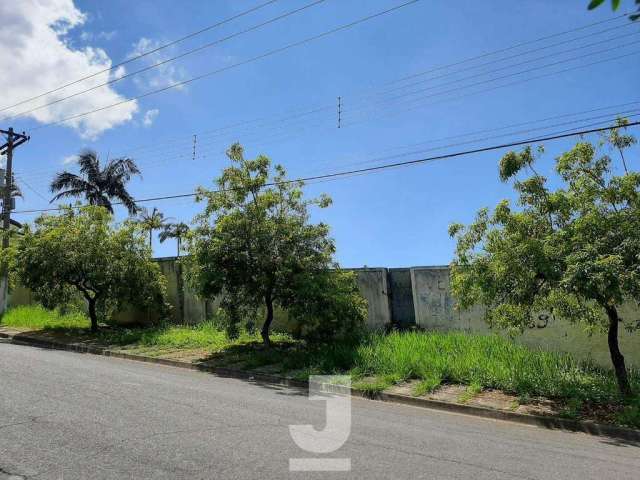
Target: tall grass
487, 361
35, 317
490, 361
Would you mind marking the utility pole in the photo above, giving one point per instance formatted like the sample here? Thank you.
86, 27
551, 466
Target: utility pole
14, 140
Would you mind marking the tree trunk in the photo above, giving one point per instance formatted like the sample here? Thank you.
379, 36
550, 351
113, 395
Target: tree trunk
178, 246
267, 322
92, 314
150, 239
614, 350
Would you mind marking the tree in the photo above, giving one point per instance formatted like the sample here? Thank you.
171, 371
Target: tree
614, 5
253, 242
573, 251
98, 185
151, 221
174, 230
328, 306
82, 253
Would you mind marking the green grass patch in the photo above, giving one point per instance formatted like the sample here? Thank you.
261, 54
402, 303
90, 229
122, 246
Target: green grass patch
35, 317
471, 392
489, 361
427, 385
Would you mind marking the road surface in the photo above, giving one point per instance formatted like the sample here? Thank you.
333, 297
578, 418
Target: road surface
72, 416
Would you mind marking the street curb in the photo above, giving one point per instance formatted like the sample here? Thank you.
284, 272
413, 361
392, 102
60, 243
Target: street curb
553, 423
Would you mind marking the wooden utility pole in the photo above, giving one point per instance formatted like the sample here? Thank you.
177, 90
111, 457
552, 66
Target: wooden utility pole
14, 140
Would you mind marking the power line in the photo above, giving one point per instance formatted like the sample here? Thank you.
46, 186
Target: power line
31, 188
206, 148
235, 65
525, 62
627, 114
521, 124
144, 54
329, 107
172, 59
502, 77
517, 82
373, 169
506, 49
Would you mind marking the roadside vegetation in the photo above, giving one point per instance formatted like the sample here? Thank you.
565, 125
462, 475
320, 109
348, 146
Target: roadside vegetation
570, 251
375, 362
36, 317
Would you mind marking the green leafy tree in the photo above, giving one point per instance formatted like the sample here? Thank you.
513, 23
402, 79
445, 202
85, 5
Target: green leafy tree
615, 4
253, 242
328, 306
152, 221
573, 251
82, 253
96, 184
174, 230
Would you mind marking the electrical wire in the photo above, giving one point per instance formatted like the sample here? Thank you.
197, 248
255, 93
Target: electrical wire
372, 169
235, 65
168, 60
143, 54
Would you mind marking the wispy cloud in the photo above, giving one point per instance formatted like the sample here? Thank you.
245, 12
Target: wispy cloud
161, 76
88, 36
150, 116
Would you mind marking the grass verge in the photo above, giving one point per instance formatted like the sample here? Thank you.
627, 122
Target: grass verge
35, 317
379, 361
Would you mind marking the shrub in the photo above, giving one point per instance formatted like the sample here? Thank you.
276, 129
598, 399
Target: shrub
328, 307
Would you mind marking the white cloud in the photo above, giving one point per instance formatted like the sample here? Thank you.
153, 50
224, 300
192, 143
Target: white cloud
149, 117
35, 56
158, 77
88, 36
69, 159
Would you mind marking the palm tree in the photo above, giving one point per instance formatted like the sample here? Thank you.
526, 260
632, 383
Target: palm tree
98, 185
152, 221
174, 230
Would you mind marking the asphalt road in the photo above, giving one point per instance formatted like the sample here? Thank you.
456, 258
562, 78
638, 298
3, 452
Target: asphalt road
66, 415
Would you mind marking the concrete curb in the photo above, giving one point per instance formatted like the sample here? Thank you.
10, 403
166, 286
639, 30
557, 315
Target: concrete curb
555, 423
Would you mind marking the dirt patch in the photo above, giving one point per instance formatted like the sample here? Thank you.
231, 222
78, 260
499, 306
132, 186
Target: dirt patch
495, 399
404, 388
447, 393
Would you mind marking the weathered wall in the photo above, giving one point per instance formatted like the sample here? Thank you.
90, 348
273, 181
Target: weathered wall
435, 310
405, 296
400, 293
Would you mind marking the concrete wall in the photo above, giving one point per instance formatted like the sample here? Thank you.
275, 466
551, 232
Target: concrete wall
400, 295
374, 288
405, 297
434, 310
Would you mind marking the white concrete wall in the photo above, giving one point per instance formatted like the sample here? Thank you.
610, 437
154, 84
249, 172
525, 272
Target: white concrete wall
373, 287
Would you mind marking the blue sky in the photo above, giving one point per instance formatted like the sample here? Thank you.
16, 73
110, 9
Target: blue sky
393, 218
